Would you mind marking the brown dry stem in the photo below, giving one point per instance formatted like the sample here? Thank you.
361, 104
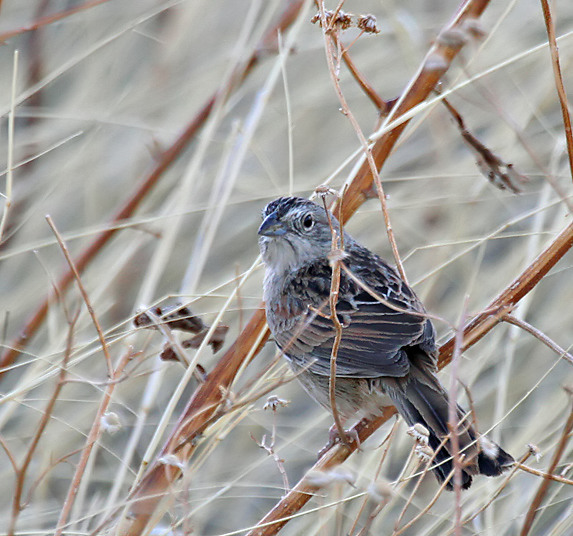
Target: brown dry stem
17, 502
337, 249
90, 442
202, 406
420, 88
473, 331
372, 165
544, 485
166, 159
549, 24
84, 294
526, 326
50, 19
157, 481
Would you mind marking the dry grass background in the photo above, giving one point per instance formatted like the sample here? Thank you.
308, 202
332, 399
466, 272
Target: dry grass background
101, 93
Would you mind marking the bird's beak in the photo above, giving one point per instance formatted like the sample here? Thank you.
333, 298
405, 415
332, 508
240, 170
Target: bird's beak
272, 226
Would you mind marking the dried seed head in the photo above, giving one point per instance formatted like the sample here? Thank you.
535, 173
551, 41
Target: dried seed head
342, 20
324, 190
110, 422
367, 23
274, 402
420, 433
424, 452
535, 451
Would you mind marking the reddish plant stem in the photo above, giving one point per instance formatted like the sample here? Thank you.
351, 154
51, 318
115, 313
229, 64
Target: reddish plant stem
198, 414
542, 490
17, 503
360, 189
483, 322
474, 330
50, 19
89, 444
549, 24
167, 158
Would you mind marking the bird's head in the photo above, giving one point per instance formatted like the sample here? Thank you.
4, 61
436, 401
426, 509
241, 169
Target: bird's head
295, 232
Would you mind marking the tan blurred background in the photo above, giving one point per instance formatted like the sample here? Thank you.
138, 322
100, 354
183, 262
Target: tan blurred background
101, 93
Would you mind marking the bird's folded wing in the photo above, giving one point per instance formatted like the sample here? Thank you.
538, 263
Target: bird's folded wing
374, 336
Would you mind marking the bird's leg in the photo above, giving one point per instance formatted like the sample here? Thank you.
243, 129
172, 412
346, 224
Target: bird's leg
334, 438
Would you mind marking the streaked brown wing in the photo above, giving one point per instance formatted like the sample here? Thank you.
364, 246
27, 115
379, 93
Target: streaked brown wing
375, 333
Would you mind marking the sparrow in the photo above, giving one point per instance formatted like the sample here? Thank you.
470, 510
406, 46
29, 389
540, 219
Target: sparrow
387, 353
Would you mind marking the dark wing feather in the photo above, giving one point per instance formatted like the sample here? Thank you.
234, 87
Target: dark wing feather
376, 334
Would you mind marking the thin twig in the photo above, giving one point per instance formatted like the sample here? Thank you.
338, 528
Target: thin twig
559, 80
167, 158
89, 444
542, 490
382, 106
511, 319
84, 294
50, 19
337, 247
419, 88
421, 476
550, 476
500, 173
453, 421
365, 147
17, 505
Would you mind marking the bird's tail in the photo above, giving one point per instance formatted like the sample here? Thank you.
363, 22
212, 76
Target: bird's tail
421, 399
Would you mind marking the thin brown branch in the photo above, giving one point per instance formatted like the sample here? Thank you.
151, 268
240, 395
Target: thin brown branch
9, 454
474, 331
84, 294
372, 166
382, 106
544, 486
549, 24
304, 490
50, 19
167, 158
453, 422
17, 505
550, 476
539, 335
522, 285
436, 63
89, 444
337, 247
500, 173
200, 409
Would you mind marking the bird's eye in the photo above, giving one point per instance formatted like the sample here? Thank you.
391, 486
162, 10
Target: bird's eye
308, 222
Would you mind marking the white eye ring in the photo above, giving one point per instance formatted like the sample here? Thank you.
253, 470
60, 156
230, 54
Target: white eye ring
308, 222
